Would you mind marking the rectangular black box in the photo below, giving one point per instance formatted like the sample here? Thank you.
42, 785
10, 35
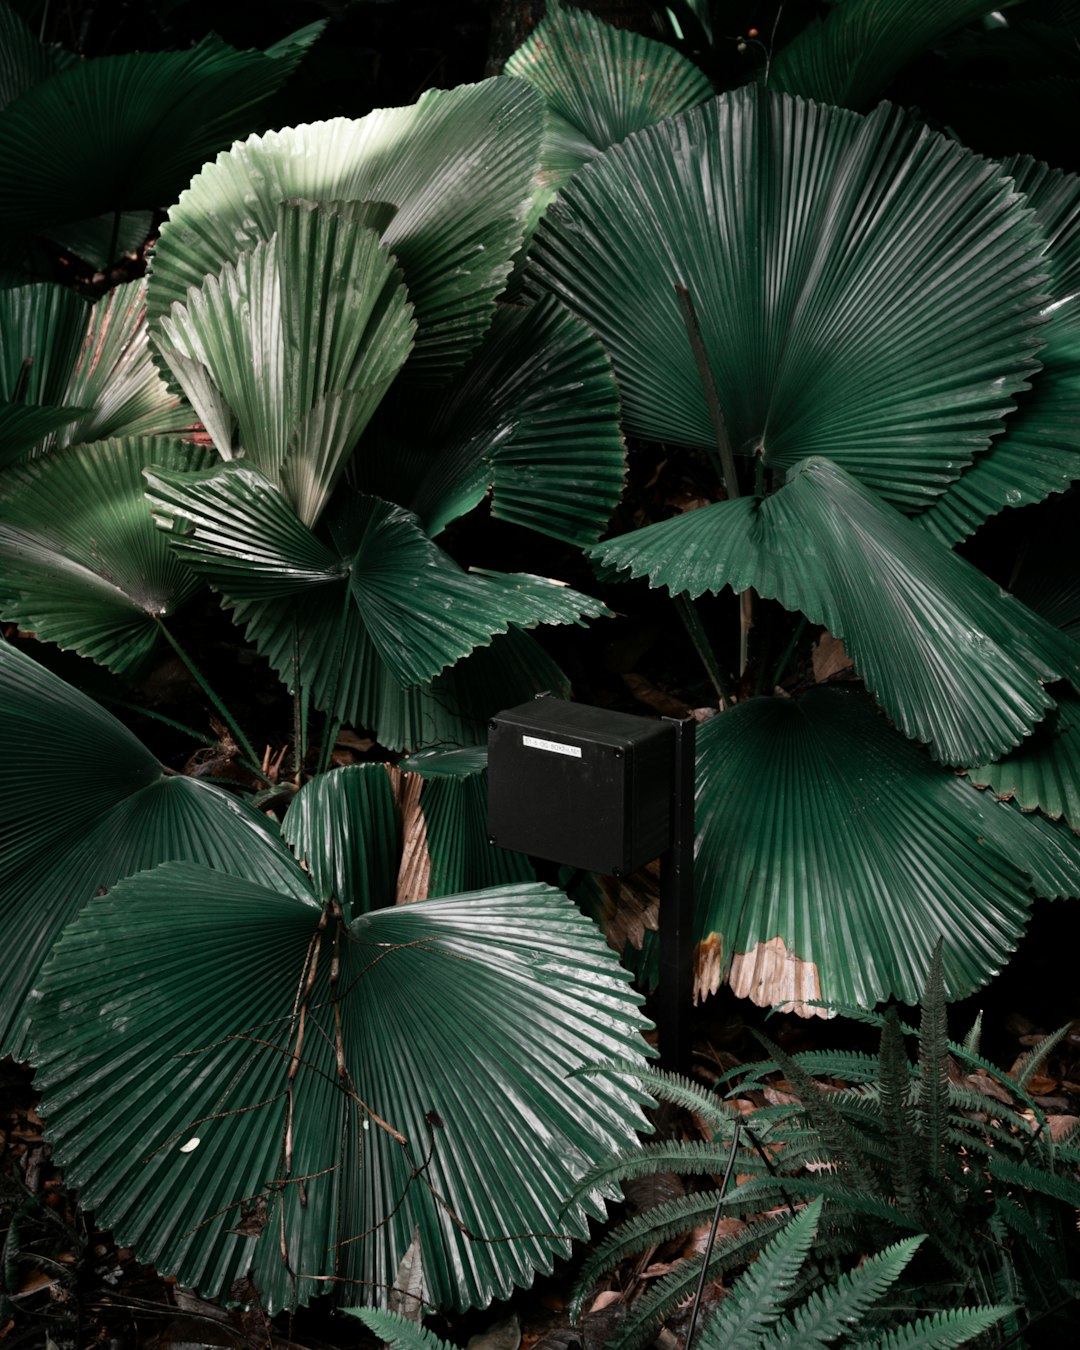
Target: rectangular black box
580, 785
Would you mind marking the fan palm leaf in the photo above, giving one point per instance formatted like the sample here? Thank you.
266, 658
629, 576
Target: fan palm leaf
954, 660
458, 166
81, 562
286, 354
294, 1097
851, 54
866, 290
832, 855
112, 811
374, 595
86, 139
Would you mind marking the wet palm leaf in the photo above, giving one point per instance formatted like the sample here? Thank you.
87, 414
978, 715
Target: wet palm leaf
599, 85
457, 165
533, 419
171, 1100
1040, 451
374, 593
87, 139
1044, 773
953, 660
110, 812
866, 289
832, 855
81, 562
286, 354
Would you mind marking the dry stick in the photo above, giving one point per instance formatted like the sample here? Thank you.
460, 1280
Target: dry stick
707, 1255
723, 446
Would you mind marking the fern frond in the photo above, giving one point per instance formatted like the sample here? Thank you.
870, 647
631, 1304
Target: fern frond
838, 1309
669, 1087
933, 1062
942, 1331
852, 1066
685, 1157
757, 1300
841, 1143
1036, 1179
1035, 1057
973, 1039
898, 1117
661, 1223
667, 1293
761, 1190
397, 1331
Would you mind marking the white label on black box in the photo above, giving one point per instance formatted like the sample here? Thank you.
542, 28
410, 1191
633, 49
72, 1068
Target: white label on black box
556, 747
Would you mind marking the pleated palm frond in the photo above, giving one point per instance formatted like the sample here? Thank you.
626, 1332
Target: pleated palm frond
455, 707
375, 835
849, 56
345, 827
24, 425
82, 804
42, 326
115, 376
534, 419
286, 354
866, 289
1039, 453
458, 166
87, 138
446, 844
832, 855
287, 1096
953, 659
370, 599
82, 563
599, 84
82, 372
24, 61
1044, 773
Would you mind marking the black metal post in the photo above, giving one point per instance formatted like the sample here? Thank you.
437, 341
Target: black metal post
677, 911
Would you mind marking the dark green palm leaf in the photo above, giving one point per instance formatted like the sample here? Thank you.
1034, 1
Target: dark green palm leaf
286, 354
24, 425
42, 327
866, 290
88, 139
110, 811
24, 61
599, 85
1044, 773
115, 376
852, 54
832, 855
345, 827
57, 351
458, 165
533, 419
1040, 450
376, 594
81, 562
953, 659
457, 1022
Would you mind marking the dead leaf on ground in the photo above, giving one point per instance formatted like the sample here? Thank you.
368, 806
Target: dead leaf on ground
829, 657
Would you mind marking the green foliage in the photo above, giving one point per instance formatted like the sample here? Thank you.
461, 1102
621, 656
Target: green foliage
979, 1190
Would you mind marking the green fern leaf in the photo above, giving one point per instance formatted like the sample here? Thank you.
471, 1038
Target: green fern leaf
758, 1299
940, 1332
397, 1331
840, 1307
933, 1062
673, 1088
